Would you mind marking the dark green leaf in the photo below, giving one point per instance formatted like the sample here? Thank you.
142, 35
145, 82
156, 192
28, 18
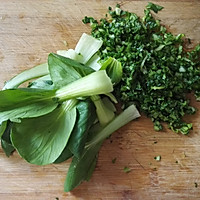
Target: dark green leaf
5, 140
154, 7
85, 118
65, 155
81, 168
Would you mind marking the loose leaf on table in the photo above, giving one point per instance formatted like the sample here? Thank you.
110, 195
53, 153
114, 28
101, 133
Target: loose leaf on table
24, 103
41, 140
85, 118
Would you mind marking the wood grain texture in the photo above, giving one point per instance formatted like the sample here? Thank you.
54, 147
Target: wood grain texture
29, 31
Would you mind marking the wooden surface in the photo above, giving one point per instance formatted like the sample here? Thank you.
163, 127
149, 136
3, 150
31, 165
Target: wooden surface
29, 30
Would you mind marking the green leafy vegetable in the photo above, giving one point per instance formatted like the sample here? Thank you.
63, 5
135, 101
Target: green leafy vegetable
5, 139
85, 119
26, 75
41, 140
158, 71
82, 167
127, 169
113, 69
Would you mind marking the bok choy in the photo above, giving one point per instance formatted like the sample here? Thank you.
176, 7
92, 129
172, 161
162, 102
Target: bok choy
55, 117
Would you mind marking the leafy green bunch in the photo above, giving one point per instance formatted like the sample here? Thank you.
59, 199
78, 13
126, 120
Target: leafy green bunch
66, 111
158, 72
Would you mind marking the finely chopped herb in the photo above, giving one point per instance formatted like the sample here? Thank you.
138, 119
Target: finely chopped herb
158, 71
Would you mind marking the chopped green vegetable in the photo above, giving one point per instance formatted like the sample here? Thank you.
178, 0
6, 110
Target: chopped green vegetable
158, 158
158, 72
127, 169
114, 160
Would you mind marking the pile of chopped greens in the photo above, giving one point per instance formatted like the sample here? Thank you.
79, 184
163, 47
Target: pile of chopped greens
66, 111
158, 71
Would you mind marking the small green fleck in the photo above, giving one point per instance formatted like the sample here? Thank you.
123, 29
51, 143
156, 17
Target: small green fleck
158, 158
196, 184
176, 161
127, 169
155, 142
114, 160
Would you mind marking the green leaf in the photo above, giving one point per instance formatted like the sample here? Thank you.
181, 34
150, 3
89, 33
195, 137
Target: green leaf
44, 83
14, 98
5, 139
113, 69
25, 103
3, 127
67, 66
26, 75
85, 118
7, 147
154, 7
87, 46
93, 84
61, 72
81, 168
65, 155
41, 140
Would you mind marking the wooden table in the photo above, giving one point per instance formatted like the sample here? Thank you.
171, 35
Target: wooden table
29, 31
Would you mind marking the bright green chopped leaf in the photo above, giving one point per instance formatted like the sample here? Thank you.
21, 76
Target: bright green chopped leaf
154, 7
158, 69
87, 46
41, 140
26, 75
126, 169
85, 118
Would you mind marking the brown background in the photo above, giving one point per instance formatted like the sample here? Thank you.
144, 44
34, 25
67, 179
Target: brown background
29, 31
